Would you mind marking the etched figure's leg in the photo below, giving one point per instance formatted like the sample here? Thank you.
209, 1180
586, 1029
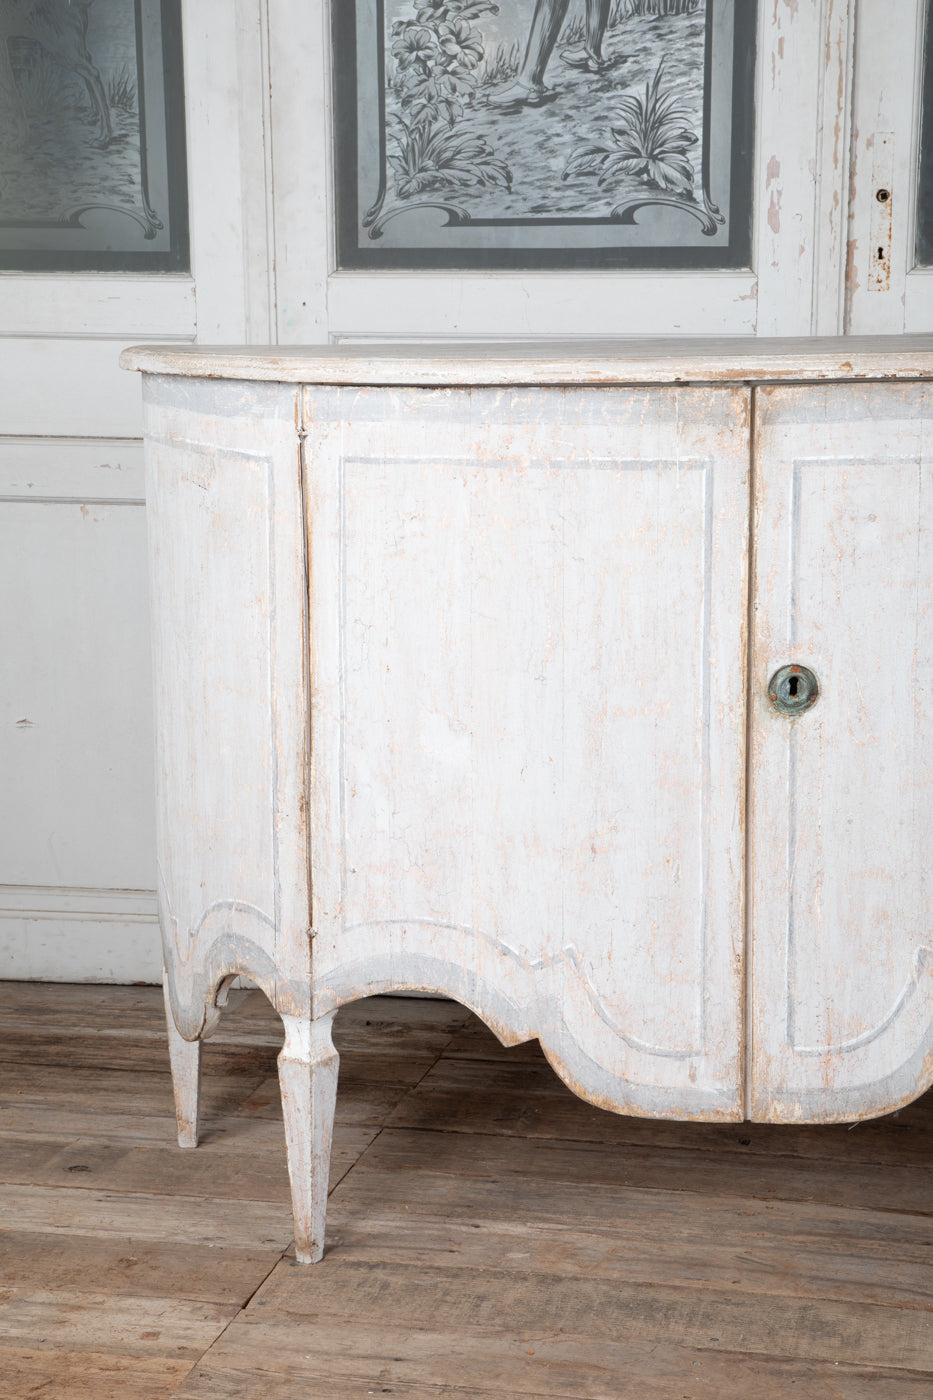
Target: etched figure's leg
527, 88
589, 54
308, 1066
185, 1058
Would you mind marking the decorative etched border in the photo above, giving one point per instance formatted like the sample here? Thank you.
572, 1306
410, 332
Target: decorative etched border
363, 217
146, 233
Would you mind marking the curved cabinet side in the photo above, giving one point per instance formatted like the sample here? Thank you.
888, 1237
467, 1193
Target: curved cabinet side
227, 571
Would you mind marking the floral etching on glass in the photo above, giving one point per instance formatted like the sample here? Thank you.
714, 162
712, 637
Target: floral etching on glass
544, 132
91, 135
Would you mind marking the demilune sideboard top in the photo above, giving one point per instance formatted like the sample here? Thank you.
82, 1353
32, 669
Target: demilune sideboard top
591, 685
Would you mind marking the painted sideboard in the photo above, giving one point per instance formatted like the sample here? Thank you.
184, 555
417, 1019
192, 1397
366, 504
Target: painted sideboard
593, 689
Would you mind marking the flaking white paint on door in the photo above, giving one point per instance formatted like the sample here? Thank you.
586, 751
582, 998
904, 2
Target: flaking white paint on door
528, 722
842, 795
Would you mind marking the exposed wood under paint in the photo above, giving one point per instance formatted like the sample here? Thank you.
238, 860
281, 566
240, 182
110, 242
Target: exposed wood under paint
490, 1236
686, 361
470, 665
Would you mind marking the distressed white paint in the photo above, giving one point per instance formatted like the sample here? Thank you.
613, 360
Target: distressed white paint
262, 268
227, 569
560, 362
474, 673
887, 100
842, 799
308, 1065
801, 164
918, 310
226, 99
431, 306
79, 470
185, 1059
832, 147
528, 723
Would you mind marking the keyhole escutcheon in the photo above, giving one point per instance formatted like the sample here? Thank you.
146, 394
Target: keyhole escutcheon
793, 689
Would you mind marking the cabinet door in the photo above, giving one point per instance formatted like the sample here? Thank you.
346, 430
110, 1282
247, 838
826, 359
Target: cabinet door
528, 618
842, 795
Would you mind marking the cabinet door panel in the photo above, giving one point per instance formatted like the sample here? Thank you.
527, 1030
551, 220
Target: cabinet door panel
528, 720
842, 798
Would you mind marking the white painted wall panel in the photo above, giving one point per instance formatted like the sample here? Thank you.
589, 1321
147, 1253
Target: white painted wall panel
92, 396
75, 696
79, 934
77, 852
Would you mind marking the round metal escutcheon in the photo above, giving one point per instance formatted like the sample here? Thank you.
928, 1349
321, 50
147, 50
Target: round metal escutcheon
793, 689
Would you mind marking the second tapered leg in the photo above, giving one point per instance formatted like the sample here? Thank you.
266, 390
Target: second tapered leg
308, 1065
185, 1059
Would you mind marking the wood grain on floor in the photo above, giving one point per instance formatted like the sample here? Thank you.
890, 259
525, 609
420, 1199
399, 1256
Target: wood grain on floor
489, 1235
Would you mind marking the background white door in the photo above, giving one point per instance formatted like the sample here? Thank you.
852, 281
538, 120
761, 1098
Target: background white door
77, 873
889, 284
792, 286
76, 852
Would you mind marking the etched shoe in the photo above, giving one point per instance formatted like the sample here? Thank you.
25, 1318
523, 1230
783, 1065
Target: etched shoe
579, 56
518, 94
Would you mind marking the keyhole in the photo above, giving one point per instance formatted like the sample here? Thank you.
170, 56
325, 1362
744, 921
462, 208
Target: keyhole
793, 690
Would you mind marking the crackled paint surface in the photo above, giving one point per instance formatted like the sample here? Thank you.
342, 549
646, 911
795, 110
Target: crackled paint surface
452, 695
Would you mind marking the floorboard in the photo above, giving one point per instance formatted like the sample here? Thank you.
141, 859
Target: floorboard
490, 1236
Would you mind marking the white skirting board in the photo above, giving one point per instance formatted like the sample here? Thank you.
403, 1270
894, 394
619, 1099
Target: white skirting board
50, 934
47, 934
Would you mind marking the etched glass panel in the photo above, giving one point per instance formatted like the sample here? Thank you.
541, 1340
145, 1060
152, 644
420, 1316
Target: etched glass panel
92, 137
543, 133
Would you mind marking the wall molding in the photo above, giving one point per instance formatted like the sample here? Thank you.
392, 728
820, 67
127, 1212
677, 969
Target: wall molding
78, 934
62, 470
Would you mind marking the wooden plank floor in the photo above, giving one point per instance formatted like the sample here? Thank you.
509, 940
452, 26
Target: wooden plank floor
489, 1234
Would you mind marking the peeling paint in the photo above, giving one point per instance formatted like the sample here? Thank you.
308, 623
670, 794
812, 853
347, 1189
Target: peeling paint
774, 212
882, 213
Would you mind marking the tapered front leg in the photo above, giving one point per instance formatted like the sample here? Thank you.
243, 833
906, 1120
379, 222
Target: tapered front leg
308, 1065
185, 1059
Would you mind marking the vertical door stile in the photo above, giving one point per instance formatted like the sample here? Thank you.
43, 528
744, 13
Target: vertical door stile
748, 670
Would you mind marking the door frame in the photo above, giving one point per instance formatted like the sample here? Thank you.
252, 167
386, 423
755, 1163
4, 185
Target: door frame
800, 176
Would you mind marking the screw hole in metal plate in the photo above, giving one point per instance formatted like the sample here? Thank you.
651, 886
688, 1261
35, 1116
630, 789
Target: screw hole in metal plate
793, 690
